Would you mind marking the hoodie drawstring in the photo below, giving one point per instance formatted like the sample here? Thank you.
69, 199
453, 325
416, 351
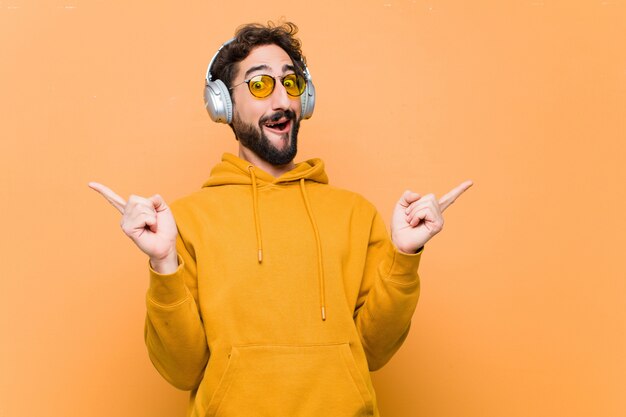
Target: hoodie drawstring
255, 208
318, 243
320, 265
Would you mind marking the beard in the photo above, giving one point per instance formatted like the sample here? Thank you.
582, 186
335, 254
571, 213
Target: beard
254, 138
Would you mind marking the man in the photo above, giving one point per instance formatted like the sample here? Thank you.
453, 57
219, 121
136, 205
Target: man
271, 292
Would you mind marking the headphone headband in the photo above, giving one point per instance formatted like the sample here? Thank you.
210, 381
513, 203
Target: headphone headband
208, 70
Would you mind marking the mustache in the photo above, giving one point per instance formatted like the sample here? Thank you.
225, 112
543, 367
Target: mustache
274, 117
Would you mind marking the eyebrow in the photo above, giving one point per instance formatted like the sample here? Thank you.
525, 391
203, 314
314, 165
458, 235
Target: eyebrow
286, 67
255, 68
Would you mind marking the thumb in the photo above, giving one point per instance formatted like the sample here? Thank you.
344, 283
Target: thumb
158, 203
407, 198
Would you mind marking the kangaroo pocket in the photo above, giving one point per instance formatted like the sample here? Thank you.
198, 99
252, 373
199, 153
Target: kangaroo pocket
282, 381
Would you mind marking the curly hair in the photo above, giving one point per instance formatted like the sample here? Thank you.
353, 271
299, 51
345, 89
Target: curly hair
247, 37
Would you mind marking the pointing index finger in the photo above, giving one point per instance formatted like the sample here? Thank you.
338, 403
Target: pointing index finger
448, 199
116, 201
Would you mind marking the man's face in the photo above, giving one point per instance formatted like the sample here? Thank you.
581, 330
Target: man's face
267, 126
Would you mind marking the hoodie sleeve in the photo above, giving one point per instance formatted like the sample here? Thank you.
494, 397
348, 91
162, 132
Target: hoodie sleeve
174, 333
387, 297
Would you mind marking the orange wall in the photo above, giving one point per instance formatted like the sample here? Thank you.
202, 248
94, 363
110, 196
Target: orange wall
523, 309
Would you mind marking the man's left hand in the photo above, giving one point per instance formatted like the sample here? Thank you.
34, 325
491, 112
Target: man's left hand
416, 219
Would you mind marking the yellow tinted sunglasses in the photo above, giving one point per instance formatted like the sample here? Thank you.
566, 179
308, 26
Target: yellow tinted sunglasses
262, 86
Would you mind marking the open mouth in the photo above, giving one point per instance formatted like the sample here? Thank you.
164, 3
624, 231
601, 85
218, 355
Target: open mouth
279, 126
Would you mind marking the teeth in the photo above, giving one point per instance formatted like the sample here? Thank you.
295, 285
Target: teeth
275, 124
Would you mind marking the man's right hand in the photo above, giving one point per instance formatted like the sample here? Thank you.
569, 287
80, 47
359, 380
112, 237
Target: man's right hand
150, 224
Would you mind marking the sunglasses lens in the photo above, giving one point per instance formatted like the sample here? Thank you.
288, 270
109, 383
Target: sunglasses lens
261, 85
294, 85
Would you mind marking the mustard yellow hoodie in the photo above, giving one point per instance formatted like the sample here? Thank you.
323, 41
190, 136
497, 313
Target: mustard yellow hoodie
289, 291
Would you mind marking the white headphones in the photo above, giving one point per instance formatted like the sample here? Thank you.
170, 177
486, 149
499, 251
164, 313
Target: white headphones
220, 106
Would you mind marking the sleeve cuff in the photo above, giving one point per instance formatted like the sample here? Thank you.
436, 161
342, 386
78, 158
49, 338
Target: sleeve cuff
167, 289
402, 267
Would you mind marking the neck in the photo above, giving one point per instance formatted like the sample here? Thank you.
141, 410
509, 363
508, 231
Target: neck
274, 170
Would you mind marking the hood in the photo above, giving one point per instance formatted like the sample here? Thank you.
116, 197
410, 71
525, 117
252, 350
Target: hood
234, 170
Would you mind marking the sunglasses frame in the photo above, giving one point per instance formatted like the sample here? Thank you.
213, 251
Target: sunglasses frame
298, 77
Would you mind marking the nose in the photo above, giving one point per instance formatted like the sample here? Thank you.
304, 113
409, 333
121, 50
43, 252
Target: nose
280, 99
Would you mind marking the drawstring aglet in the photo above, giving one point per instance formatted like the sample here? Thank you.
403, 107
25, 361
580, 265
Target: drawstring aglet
323, 313
260, 255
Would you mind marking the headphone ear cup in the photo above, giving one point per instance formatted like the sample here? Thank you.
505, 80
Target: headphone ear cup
218, 102
307, 100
